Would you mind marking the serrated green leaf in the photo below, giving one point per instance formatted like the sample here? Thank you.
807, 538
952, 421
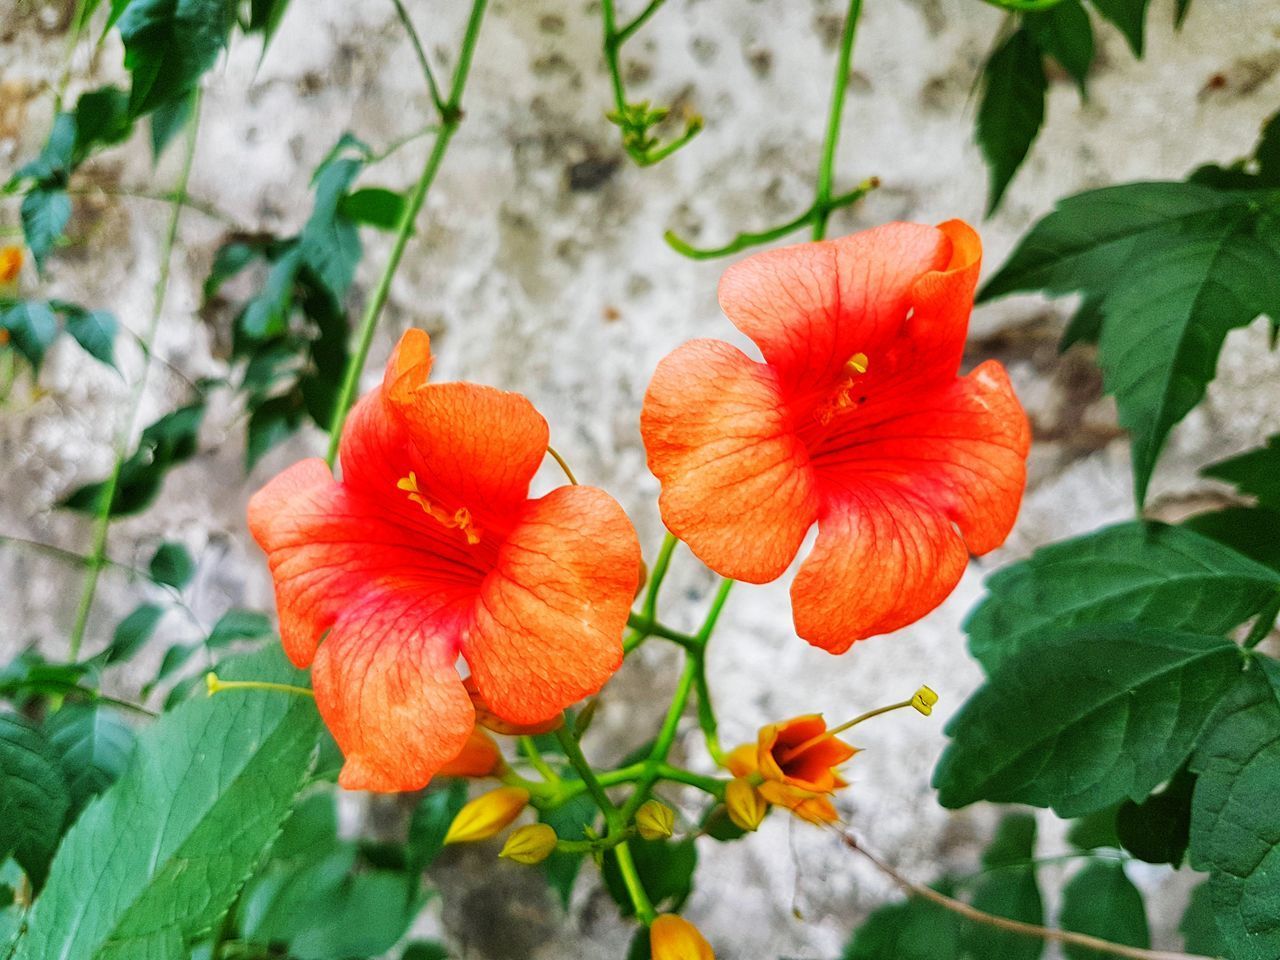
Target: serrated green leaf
1080, 721
1129, 17
374, 207
93, 746
169, 44
1156, 829
172, 564
1064, 32
156, 861
430, 822
32, 328
1011, 111
1235, 819
33, 797
1251, 531
665, 868
239, 625
914, 930
133, 632
95, 331
1145, 573
1101, 900
1198, 928
1256, 472
1007, 888
45, 214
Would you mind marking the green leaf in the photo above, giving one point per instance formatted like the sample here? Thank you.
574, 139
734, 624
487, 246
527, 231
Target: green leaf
267, 314
156, 861
1008, 888
133, 632
45, 214
1129, 17
425, 950
230, 259
1012, 109
1064, 32
1082, 720
95, 331
1251, 531
913, 930
1267, 153
1095, 831
330, 242
32, 327
102, 119
665, 868
174, 659
1157, 829
569, 821
172, 564
53, 166
1100, 900
93, 745
33, 797
374, 207
1136, 572
1198, 928
273, 421
169, 44
430, 822
265, 17
169, 120
1256, 472
239, 625
1235, 819
1180, 10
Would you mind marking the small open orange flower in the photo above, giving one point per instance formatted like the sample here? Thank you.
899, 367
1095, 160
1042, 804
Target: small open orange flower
856, 420
10, 264
795, 761
428, 549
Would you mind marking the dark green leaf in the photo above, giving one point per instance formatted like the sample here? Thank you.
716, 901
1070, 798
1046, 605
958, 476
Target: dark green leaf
430, 822
172, 565
665, 868
1235, 819
168, 120
1252, 531
239, 625
374, 207
425, 950
1156, 830
1267, 153
1138, 572
174, 659
230, 259
329, 242
1011, 111
1198, 929
914, 930
273, 421
168, 45
640, 948
93, 745
569, 822
267, 314
133, 632
45, 214
1101, 901
1256, 472
32, 327
1085, 325
1180, 9
102, 119
1129, 17
1008, 888
156, 861
34, 798
1063, 31
95, 331
1082, 720
265, 17
1095, 831
53, 165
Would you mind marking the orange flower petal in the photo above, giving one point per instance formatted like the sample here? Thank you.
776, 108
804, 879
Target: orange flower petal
736, 484
388, 691
742, 761
480, 757
884, 558
547, 628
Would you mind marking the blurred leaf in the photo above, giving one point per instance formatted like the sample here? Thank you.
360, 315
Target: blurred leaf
267, 314
1063, 31
133, 632
1011, 111
94, 330
165, 850
102, 120
425, 950
1101, 901
1156, 830
93, 745
168, 45
430, 822
665, 868
912, 930
1252, 531
239, 625
569, 822
330, 242
175, 658
1008, 888
1145, 573
1180, 9
374, 207
1235, 819
1256, 472
172, 564
1129, 17
1084, 719
230, 259
169, 120
640, 948
34, 798
265, 17
1198, 928
32, 327
54, 163
45, 214
273, 421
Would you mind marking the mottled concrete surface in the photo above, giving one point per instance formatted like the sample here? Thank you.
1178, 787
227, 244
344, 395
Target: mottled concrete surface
539, 266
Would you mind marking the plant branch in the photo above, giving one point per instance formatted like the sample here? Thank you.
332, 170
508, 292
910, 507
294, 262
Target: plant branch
421, 54
826, 169
1003, 923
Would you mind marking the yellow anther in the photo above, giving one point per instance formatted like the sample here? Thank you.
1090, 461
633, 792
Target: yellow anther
460, 519
857, 363
924, 700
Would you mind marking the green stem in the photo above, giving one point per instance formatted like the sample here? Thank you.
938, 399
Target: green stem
826, 169
593, 846
532, 754
660, 568
102, 523
1024, 6
171, 197
640, 20
421, 54
1262, 626
612, 44
706, 711
451, 117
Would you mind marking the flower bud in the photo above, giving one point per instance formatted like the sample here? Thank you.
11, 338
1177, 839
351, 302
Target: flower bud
530, 844
488, 815
745, 805
10, 264
675, 938
924, 700
654, 820
479, 757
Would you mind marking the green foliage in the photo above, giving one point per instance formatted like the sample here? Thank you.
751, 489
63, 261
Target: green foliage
1235, 820
92, 745
169, 44
1086, 718
1064, 33
132, 633
1146, 573
1256, 472
1157, 829
1095, 831
45, 215
1129, 17
430, 822
1012, 109
570, 822
168, 120
1198, 929
158, 859
94, 330
32, 328
1008, 888
1167, 270
172, 564
914, 930
239, 625
34, 797
374, 207
1102, 901
665, 868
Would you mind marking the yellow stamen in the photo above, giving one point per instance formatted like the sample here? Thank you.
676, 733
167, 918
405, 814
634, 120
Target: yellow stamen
216, 685
922, 700
857, 363
459, 520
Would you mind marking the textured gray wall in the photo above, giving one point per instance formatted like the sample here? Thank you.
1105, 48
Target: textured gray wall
540, 267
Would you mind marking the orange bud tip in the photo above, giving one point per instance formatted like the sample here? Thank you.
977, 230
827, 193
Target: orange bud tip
488, 815
530, 844
675, 938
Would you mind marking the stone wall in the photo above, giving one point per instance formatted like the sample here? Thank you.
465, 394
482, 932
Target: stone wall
539, 266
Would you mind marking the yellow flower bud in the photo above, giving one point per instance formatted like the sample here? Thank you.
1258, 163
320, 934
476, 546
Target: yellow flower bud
10, 264
745, 805
654, 820
675, 938
924, 700
530, 844
487, 816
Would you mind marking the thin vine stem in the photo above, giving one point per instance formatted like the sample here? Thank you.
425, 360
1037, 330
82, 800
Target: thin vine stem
450, 118
826, 169
202, 207
1003, 923
427, 73
102, 523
